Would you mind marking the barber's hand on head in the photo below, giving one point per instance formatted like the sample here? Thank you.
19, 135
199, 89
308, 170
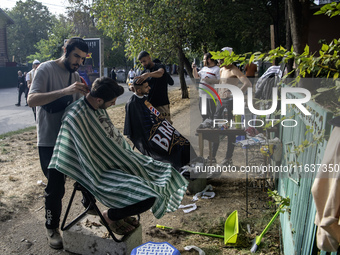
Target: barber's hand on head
77, 87
142, 78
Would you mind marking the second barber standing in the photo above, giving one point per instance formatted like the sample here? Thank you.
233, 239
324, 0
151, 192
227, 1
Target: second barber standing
158, 95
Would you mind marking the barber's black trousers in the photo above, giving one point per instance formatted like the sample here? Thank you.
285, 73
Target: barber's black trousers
54, 190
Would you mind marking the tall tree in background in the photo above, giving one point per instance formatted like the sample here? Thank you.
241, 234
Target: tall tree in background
245, 25
171, 29
85, 26
51, 48
297, 27
298, 16
32, 22
164, 28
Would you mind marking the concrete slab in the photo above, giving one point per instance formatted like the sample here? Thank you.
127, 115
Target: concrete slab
89, 237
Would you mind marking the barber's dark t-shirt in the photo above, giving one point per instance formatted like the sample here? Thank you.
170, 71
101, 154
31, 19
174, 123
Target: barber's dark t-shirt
158, 94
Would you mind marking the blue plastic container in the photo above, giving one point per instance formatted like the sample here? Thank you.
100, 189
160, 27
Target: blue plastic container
153, 248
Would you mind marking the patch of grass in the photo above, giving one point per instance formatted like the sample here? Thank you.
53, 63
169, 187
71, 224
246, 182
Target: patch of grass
20, 131
4, 151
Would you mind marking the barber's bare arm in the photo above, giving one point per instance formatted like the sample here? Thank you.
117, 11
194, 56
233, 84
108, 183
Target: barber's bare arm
156, 74
38, 99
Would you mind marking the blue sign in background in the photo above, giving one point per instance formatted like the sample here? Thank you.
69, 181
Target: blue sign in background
92, 68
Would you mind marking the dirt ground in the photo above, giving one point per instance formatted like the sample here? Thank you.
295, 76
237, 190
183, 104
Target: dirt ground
22, 203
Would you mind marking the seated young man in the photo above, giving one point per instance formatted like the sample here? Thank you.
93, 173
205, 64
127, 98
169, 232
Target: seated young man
151, 133
92, 151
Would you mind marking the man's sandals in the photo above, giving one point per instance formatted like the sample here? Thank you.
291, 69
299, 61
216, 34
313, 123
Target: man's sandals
123, 226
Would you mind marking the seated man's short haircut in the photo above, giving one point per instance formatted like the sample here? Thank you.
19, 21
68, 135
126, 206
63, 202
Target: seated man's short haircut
106, 89
142, 54
138, 85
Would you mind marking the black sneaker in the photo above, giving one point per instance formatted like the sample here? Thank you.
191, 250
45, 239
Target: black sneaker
54, 239
17, 104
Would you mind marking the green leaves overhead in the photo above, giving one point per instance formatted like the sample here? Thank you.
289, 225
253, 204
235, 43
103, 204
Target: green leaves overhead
32, 22
331, 9
157, 26
326, 65
163, 26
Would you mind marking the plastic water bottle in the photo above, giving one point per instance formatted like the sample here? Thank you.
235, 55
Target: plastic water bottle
225, 113
238, 120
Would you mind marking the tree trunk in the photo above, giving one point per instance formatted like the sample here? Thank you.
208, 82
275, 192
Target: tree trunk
288, 40
276, 24
184, 88
188, 67
298, 14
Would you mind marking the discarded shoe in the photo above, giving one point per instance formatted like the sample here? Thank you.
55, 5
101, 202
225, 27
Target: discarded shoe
207, 123
54, 239
227, 162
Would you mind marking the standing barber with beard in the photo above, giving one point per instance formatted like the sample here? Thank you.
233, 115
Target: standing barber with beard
56, 84
158, 95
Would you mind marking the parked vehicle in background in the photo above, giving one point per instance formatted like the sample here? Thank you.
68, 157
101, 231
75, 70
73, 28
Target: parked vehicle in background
121, 75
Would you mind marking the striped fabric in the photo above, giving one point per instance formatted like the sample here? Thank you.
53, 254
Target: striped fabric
92, 151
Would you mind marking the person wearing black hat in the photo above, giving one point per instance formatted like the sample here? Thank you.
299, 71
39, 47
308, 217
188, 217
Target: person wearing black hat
158, 95
56, 84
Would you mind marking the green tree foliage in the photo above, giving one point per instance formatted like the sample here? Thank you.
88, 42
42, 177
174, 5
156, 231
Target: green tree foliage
32, 22
85, 26
165, 28
326, 65
51, 48
171, 30
331, 9
245, 25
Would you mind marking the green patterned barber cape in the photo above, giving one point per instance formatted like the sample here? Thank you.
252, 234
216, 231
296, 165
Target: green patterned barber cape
90, 150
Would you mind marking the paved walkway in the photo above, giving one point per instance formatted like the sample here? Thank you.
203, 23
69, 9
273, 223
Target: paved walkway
12, 117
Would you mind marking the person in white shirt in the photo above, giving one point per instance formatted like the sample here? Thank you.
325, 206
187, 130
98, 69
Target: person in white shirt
29, 78
131, 74
209, 75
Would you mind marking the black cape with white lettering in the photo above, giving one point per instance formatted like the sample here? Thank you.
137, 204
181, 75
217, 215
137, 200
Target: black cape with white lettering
155, 136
